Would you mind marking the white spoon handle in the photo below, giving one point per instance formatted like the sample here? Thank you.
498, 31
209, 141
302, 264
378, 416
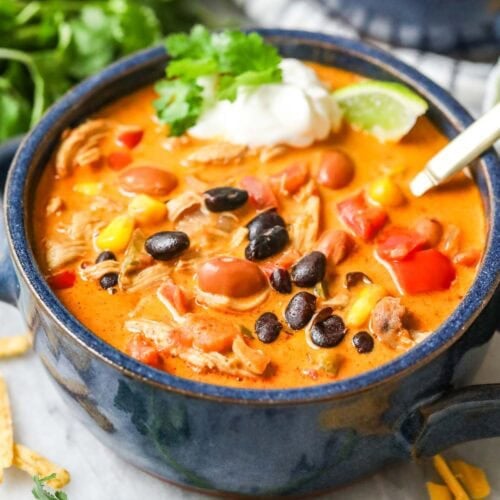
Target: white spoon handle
467, 146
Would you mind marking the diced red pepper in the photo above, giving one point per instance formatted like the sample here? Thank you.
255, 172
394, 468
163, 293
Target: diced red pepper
395, 243
61, 280
119, 159
259, 192
175, 295
130, 137
291, 179
144, 350
287, 258
363, 219
423, 271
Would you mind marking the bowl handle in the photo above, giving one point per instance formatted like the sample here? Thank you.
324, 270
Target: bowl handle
461, 415
9, 286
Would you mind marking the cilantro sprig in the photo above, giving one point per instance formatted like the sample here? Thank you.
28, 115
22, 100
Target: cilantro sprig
232, 58
40, 493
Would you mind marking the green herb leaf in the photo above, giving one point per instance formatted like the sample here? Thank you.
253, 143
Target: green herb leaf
235, 58
14, 111
41, 493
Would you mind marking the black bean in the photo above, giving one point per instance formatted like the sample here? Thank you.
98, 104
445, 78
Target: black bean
268, 327
222, 199
300, 310
106, 255
108, 280
352, 279
328, 332
280, 280
268, 243
309, 270
167, 245
265, 220
363, 342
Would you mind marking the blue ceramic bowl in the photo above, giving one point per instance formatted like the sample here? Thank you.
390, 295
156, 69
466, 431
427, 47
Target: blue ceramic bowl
259, 442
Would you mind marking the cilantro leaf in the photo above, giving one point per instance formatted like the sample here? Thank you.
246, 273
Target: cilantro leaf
179, 104
40, 493
235, 58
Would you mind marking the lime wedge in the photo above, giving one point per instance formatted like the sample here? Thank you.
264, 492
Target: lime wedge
388, 110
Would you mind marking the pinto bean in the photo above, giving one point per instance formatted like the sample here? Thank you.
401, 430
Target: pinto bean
335, 244
430, 229
231, 277
336, 169
148, 180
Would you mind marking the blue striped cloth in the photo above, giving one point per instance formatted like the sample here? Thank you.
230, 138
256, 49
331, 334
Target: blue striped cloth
466, 80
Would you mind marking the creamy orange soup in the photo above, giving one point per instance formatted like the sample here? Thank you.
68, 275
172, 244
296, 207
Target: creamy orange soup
74, 208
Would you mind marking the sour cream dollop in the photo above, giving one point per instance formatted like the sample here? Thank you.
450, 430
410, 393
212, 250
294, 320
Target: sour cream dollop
297, 111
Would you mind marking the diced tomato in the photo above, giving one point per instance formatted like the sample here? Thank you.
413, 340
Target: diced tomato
363, 219
395, 243
260, 193
335, 244
143, 350
291, 179
130, 137
175, 295
423, 271
119, 159
61, 280
214, 337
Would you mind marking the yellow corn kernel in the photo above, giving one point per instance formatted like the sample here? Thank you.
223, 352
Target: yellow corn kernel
451, 481
88, 188
147, 210
363, 305
116, 235
386, 192
473, 478
438, 491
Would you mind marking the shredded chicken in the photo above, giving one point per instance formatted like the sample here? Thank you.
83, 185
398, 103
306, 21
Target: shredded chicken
97, 271
103, 203
309, 190
238, 237
59, 254
149, 277
224, 303
269, 153
135, 258
196, 184
254, 360
387, 322
220, 152
83, 225
338, 301
163, 335
305, 226
80, 146
174, 143
180, 204
55, 204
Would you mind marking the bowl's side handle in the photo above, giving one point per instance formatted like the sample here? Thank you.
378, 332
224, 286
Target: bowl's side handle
9, 285
462, 415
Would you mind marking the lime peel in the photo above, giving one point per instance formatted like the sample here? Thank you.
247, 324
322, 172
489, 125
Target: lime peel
387, 110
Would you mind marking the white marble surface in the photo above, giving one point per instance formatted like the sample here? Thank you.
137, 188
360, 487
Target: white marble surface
43, 423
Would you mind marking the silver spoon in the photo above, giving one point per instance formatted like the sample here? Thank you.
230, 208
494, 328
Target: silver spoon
467, 146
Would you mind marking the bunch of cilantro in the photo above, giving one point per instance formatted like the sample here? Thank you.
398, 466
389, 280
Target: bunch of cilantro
232, 58
47, 46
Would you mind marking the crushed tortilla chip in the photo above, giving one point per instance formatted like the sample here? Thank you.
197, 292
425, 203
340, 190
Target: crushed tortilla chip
473, 478
6, 432
451, 481
14, 346
438, 491
35, 465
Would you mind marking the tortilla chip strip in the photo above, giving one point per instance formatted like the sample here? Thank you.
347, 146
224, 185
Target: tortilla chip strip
14, 346
36, 465
447, 476
6, 432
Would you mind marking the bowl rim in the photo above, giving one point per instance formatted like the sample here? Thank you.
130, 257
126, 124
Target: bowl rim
481, 291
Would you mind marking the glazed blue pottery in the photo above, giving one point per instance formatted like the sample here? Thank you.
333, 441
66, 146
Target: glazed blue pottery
259, 442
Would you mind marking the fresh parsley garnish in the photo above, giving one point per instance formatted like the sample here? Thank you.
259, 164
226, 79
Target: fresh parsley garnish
232, 58
41, 493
